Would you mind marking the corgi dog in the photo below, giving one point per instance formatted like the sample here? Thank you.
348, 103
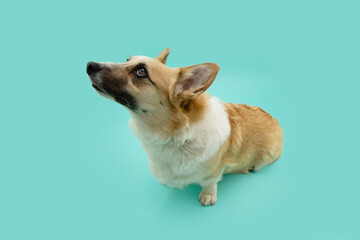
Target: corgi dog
189, 136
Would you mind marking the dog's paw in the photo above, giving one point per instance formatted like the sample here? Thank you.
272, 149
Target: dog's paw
207, 199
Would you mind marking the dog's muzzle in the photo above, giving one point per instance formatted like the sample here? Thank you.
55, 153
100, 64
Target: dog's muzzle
92, 68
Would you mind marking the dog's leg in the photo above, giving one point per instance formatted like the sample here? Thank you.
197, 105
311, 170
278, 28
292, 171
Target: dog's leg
208, 195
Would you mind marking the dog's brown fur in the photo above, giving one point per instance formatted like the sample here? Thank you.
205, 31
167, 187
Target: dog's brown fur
255, 141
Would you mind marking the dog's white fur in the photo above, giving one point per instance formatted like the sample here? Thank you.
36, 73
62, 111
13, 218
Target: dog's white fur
179, 160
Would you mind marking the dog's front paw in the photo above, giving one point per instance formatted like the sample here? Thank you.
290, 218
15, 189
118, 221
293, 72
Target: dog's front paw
207, 199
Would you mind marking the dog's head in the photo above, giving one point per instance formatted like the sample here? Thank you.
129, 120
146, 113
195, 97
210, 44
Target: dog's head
147, 87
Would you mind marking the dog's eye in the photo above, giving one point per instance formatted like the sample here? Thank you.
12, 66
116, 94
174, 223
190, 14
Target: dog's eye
141, 72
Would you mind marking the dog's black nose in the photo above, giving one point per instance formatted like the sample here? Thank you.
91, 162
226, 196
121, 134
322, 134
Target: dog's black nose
93, 67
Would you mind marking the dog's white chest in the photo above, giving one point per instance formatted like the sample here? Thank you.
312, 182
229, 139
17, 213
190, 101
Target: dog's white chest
179, 160
177, 167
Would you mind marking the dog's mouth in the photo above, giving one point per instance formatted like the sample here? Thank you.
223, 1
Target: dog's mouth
122, 101
97, 88
121, 97
126, 99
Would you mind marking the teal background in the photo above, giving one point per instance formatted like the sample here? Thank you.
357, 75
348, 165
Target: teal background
70, 167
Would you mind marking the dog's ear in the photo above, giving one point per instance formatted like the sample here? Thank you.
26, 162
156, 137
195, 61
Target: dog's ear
163, 55
193, 81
